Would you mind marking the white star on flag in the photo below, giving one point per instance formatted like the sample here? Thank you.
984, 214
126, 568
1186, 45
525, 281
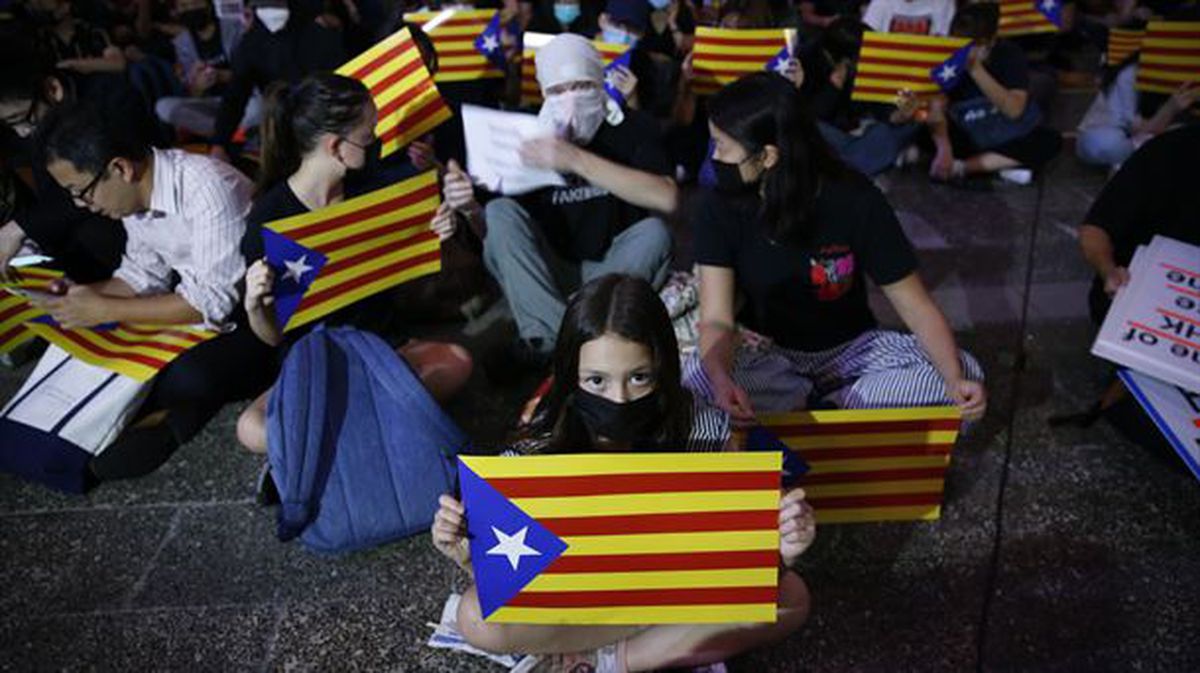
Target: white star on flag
512, 546
297, 268
1048, 5
782, 66
947, 72
610, 79
490, 43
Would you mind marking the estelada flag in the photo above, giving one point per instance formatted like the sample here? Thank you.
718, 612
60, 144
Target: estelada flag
1122, 42
137, 351
333, 257
871, 464
655, 538
891, 62
454, 33
1170, 56
1030, 17
722, 55
531, 91
408, 102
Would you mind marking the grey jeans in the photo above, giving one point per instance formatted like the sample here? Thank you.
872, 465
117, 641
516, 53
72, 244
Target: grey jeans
536, 280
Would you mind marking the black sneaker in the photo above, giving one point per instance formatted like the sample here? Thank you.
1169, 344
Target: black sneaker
517, 360
266, 493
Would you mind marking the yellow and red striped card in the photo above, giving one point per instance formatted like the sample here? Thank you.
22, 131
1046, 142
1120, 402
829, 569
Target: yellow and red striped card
1123, 42
1029, 17
453, 33
15, 312
871, 464
371, 242
1170, 56
137, 351
723, 55
408, 102
891, 62
531, 91
660, 538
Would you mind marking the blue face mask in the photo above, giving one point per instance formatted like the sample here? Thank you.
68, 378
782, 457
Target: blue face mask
566, 14
618, 36
660, 4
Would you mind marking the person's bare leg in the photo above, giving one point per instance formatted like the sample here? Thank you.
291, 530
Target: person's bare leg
252, 424
443, 367
680, 645
989, 162
532, 638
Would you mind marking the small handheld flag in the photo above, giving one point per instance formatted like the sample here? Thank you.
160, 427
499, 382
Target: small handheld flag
889, 63
358, 247
455, 33
951, 71
610, 87
295, 267
137, 351
722, 55
407, 101
488, 42
1170, 56
871, 464
1122, 43
15, 312
1029, 17
624, 538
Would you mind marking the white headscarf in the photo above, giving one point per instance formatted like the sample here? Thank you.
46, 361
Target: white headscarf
576, 115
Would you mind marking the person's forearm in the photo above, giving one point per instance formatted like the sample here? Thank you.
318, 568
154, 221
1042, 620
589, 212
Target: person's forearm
1162, 118
925, 320
163, 309
262, 323
1010, 103
1097, 249
655, 192
718, 342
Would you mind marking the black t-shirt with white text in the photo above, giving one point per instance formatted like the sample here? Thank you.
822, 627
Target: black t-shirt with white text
580, 219
809, 297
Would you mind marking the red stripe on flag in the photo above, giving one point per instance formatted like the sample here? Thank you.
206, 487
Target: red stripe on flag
392, 78
11, 334
743, 58
1171, 67
484, 65
405, 98
904, 46
176, 333
864, 428
314, 299
612, 484
1174, 35
680, 522
866, 476
14, 310
632, 597
464, 21
99, 351
382, 208
866, 501
383, 59
711, 560
745, 42
854, 452
865, 62
371, 235
413, 119
115, 340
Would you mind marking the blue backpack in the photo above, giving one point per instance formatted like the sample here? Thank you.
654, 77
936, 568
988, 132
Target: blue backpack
358, 449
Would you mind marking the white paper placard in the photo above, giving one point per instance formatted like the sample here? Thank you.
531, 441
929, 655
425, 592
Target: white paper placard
493, 150
1174, 410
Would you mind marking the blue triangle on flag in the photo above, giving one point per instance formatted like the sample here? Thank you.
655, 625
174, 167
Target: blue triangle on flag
762, 439
508, 547
295, 267
950, 72
1051, 9
488, 42
622, 61
778, 63
47, 320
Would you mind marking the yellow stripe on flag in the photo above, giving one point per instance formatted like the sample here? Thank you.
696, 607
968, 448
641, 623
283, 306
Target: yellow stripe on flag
1122, 42
409, 105
453, 33
1022, 17
723, 55
673, 543
665, 614
140, 359
889, 63
876, 514
663, 579
1170, 56
15, 311
493, 467
649, 503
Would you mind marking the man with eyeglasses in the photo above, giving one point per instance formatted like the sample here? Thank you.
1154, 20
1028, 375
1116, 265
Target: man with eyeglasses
185, 216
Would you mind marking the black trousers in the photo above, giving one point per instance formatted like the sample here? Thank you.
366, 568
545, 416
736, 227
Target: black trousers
192, 389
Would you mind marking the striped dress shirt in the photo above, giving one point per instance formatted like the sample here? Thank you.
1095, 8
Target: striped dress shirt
188, 241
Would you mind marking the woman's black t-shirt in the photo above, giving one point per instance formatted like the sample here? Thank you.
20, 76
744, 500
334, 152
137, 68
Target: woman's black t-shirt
807, 297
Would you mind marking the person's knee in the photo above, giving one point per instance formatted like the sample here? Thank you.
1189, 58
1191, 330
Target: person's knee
478, 633
506, 221
460, 362
1103, 147
252, 429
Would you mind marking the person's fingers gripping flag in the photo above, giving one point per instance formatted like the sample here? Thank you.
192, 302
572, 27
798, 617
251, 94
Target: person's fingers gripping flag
295, 267
869, 464
889, 63
622, 61
624, 539
407, 101
369, 243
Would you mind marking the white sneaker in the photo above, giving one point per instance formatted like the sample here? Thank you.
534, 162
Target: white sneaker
1017, 176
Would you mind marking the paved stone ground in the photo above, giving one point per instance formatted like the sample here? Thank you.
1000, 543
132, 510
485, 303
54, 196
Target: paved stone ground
1058, 550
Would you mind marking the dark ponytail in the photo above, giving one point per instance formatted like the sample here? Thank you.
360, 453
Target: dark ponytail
766, 109
296, 116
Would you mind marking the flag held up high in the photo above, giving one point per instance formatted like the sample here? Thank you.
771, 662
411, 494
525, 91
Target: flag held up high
1029, 17
407, 101
624, 538
722, 55
889, 63
456, 35
1170, 56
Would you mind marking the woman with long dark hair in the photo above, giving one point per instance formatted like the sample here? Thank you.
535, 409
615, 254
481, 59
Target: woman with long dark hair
617, 389
798, 234
314, 133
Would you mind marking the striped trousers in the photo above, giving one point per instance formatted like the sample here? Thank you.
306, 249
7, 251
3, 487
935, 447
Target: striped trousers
879, 369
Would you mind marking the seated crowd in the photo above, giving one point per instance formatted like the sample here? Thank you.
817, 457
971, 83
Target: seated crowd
146, 145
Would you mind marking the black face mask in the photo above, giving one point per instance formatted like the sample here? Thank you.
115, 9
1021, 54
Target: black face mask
729, 178
195, 19
628, 422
